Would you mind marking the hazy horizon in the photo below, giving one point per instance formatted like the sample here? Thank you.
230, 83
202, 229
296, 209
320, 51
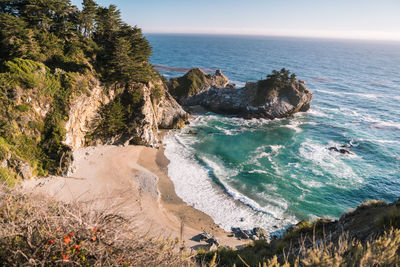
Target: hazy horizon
274, 36
357, 19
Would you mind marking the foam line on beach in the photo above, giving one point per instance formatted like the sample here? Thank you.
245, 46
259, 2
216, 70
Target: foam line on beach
228, 209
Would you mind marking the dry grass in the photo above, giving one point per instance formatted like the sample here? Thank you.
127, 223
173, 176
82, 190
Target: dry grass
381, 251
36, 231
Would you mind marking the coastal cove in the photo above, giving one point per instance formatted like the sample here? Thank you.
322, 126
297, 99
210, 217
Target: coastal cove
274, 173
124, 147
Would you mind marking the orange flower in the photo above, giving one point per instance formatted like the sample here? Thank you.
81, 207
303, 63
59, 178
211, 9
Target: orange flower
51, 241
71, 234
67, 239
77, 248
65, 257
94, 238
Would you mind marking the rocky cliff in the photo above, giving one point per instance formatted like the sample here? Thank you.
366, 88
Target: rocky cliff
278, 96
45, 114
83, 110
154, 109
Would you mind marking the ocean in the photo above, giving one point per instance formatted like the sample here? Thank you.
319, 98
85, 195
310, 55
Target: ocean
247, 173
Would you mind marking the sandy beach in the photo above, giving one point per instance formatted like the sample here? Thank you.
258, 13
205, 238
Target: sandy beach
132, 181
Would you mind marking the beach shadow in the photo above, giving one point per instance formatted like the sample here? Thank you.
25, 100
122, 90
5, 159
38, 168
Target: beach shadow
196, 238
201, 246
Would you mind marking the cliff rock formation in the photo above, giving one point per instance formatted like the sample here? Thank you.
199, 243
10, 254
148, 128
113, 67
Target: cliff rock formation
155, 109
278, 96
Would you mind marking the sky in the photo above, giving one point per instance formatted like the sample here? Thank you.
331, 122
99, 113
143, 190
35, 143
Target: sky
352, 19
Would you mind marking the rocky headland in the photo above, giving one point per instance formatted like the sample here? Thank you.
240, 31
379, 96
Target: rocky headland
280, 95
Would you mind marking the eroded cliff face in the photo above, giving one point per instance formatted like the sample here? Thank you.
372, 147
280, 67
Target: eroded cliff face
83, 110
169, 114
157, 110
154, 109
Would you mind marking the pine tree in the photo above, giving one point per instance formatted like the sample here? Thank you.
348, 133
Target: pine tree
114, 118
88, 16
108, 23
123, 65
142, 49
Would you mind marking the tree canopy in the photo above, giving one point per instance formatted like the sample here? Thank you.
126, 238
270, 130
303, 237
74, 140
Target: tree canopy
282, 78
60, 35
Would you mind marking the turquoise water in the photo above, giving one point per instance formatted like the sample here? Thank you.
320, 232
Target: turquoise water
250, 173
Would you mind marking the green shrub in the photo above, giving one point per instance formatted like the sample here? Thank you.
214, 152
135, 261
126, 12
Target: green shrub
22, 107
188, 84
156, 93
76, 83
280, 79
136, 97
32, 74
7, 177
114, 118
4, 149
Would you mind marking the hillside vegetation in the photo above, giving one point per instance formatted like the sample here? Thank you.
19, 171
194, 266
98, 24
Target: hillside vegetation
49, 54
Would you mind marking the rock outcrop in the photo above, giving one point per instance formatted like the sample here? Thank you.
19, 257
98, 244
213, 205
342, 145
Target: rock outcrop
155, 109
83, 110
271, 98
195, 82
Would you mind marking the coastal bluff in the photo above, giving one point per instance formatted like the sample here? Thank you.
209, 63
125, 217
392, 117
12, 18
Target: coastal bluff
280, 95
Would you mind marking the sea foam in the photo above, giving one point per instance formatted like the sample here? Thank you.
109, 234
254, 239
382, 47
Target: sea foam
226, 206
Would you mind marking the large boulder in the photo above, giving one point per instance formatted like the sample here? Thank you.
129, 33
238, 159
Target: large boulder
278, 96
259, 233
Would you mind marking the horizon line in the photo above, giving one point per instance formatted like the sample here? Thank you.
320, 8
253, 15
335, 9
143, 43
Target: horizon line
382, 38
